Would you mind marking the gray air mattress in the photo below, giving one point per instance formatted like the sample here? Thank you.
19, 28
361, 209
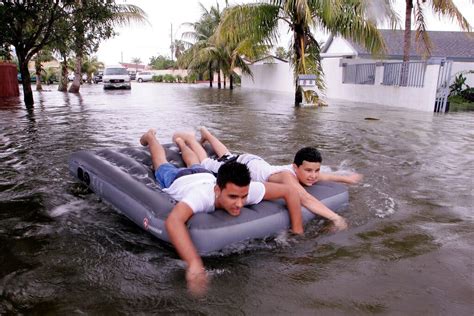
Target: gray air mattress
123, 177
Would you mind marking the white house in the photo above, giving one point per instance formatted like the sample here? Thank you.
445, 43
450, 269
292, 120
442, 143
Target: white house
351, 73
270, 73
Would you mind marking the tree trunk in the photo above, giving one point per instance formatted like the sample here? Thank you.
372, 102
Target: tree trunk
407, 35
231, 82
39, 87
64, 72
211, 76
406, 43
219, 85
76, 84
26, 82
297, 47
225, 78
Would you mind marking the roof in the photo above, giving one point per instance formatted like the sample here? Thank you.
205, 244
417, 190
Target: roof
452, 45
271, 59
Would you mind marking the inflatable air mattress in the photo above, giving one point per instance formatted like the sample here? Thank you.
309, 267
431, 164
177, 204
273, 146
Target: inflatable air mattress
123, 177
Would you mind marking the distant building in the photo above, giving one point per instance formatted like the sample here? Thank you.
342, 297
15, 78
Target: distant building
269, 73
131, 67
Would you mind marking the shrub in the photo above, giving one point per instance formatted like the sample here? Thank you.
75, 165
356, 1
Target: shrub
192, 78
157, 78
168, 78
468, 94
179, 78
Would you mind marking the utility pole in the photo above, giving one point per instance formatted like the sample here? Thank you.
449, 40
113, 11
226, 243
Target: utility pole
171, 46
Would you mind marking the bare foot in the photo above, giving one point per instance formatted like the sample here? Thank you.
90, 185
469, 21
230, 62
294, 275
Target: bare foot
204, 134
184, 135
146, 137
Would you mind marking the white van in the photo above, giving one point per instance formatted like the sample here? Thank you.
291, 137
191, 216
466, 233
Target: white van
116, 77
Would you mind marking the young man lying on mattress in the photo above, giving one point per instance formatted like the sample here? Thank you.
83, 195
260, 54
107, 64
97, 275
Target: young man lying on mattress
305, 171
197, 190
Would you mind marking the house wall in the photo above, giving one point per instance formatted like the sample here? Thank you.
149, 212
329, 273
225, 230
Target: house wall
422, 99
270, 76
174, 72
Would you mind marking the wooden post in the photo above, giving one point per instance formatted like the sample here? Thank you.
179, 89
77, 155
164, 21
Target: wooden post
8, 80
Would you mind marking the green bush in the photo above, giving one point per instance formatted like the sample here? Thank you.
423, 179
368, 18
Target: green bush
467, 94
192, 78
179, 78
157, 78
169, 78
237, 79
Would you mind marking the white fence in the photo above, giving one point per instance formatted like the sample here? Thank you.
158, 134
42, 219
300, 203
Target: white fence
412, 97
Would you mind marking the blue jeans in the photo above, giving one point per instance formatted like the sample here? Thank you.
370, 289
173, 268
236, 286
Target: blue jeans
167, 173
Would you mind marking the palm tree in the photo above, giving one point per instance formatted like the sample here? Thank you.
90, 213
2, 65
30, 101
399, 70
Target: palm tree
258, 22
443, 8
119, 15
198, 56
41, 56
178, 48
90, 66
136, 61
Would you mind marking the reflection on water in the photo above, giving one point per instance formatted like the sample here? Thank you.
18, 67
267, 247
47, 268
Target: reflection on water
408, 251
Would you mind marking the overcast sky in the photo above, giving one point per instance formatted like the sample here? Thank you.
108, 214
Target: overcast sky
145, 41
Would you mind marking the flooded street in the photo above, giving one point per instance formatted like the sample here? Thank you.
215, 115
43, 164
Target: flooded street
409, 249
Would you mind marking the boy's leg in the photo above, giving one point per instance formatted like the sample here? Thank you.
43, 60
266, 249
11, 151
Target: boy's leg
190, 141
189, 156
216, 144
158, 155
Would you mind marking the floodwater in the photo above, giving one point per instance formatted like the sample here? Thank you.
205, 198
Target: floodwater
409, 250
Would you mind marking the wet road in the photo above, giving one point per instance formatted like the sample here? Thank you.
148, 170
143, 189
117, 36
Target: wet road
409, 249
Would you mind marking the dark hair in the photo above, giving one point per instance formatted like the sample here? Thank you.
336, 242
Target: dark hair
310, 154
233, 172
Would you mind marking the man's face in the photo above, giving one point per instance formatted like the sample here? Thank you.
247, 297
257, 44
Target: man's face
231, 198
308, 172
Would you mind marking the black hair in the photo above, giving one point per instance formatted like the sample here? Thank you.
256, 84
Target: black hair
310, 154
233, 172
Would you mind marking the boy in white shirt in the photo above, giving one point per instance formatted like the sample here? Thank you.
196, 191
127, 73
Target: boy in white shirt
197, 190
305, 171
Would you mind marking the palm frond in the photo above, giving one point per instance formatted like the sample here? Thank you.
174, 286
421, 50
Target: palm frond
125, 14
448, 9
421, 32
255, 21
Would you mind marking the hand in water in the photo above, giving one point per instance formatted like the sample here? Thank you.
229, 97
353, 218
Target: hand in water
337, 224
340, 223
197, 280
354, 178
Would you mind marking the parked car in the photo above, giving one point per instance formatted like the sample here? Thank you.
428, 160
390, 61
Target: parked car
145, 76
116, 77
32, 77
98, 76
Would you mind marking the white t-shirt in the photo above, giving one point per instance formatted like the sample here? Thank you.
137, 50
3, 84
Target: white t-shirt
260, 170
197, 191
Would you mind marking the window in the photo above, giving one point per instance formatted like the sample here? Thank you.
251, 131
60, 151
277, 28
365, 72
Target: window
359, 73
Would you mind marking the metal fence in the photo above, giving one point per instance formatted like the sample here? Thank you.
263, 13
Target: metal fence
405, 74
359, 74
